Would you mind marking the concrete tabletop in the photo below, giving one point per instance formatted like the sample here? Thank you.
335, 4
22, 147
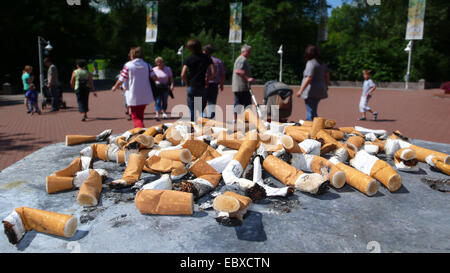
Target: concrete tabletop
414, 219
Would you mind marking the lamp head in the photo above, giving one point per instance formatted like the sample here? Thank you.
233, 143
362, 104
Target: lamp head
280, 51
48, 47
408, 47
180, 51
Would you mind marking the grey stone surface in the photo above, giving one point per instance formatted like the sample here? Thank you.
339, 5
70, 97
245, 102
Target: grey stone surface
414, 219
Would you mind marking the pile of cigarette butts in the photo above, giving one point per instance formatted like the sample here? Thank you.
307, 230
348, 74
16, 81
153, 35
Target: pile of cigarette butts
193, 158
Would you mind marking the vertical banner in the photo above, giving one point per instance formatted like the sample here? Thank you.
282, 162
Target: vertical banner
152, 22
323, 21
416, 16
235, 23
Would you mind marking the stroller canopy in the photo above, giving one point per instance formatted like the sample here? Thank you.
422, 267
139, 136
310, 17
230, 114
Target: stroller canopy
276, 88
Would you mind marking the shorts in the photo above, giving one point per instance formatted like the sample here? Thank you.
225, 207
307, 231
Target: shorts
242, 98
364, 104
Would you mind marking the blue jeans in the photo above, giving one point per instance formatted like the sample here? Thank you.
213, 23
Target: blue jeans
161, 100
56, 97
192, 93
311, 108
211, 98
33, 105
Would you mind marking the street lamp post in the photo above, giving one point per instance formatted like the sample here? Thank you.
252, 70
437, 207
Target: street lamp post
409, 50
280, 51
181, 53
48, 47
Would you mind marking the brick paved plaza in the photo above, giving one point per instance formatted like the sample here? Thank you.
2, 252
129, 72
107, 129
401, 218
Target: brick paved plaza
418, 114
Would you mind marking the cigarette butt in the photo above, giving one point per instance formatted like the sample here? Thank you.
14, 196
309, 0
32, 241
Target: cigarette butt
183, 155
445, 168
173, 136
297, 134
336, 176
330, 123
100, 151
90, 190
136, 131
143, 142
121, 141
74, 167
144, 152
272, 148
202, 169
196, 147
152, 131
164, 202
210, 154
230, 143
379, 143
231, 202
254, 120
247, 149
423, 153
328, 147
336, 134
56, 184
79, 139
358, 180
281, 170
405, 160
157, 164
121, 156
211, 123
355, 143
48, 222
318, 124
384, 173
132, 172
290, 145
350, 130
158, 138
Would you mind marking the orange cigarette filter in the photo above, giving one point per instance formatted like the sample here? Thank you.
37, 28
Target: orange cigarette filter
210, 154
90, 190
423, 153
285, 173
134, 169
136, 131
297, 134
159, 138
196, 147
201, 169
100, 151
120, 156
290, 145
173, 136
231, 202
253, 119
350, 130
337, 178
48, 222
152, 131
359, 180
158, 165
79, 139
56, 184
247, 149
355, 143
318, 124
384, 173
183, 155
121, 141
74, 167
445, 168
164, 202
143, 141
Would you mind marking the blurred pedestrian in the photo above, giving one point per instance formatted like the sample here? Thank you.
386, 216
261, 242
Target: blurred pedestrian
316, 79
135, 76
367, 91
242, 77
164, 86
27, 77
31, 99
193, 74
83, 84
53, 84
216, 83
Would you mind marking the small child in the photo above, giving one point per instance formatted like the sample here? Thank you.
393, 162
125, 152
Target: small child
368, 88
31, 101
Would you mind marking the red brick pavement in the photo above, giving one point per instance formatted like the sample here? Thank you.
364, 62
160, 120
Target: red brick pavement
418, 114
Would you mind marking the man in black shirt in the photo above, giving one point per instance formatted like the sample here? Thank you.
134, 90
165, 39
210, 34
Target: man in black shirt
193, 74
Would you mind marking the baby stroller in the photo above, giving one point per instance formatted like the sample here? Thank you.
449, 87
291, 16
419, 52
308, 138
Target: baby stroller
47, 99
278, 94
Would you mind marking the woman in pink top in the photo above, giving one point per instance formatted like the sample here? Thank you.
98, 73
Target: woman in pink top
164, 85
135, 78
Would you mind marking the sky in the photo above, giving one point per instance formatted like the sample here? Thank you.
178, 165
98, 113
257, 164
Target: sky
333, 4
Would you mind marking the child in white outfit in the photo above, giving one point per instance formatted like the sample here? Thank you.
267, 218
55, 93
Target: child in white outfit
368, 88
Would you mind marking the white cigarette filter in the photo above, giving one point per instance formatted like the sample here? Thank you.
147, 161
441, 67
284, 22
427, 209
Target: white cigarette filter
394, 144
236, 167
232, 205
320, 165
310, 146
378, 169
90, 190
405, 160
382, 134
80, 139
164, 202
132, 172
163, 183
371, 148
290, 176
357, 179
207, 179
220, 163
270, 191
24, 219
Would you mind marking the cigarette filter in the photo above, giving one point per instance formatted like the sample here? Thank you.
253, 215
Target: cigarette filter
90, 190
318, 124
79, 139
183, 155
164, 202
74, 167
405, 160
132, 172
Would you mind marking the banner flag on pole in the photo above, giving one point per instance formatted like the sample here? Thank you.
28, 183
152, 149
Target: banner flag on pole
152, 22
235, 23
416, 16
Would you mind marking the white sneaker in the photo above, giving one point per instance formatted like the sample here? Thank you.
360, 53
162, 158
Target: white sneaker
164, 116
